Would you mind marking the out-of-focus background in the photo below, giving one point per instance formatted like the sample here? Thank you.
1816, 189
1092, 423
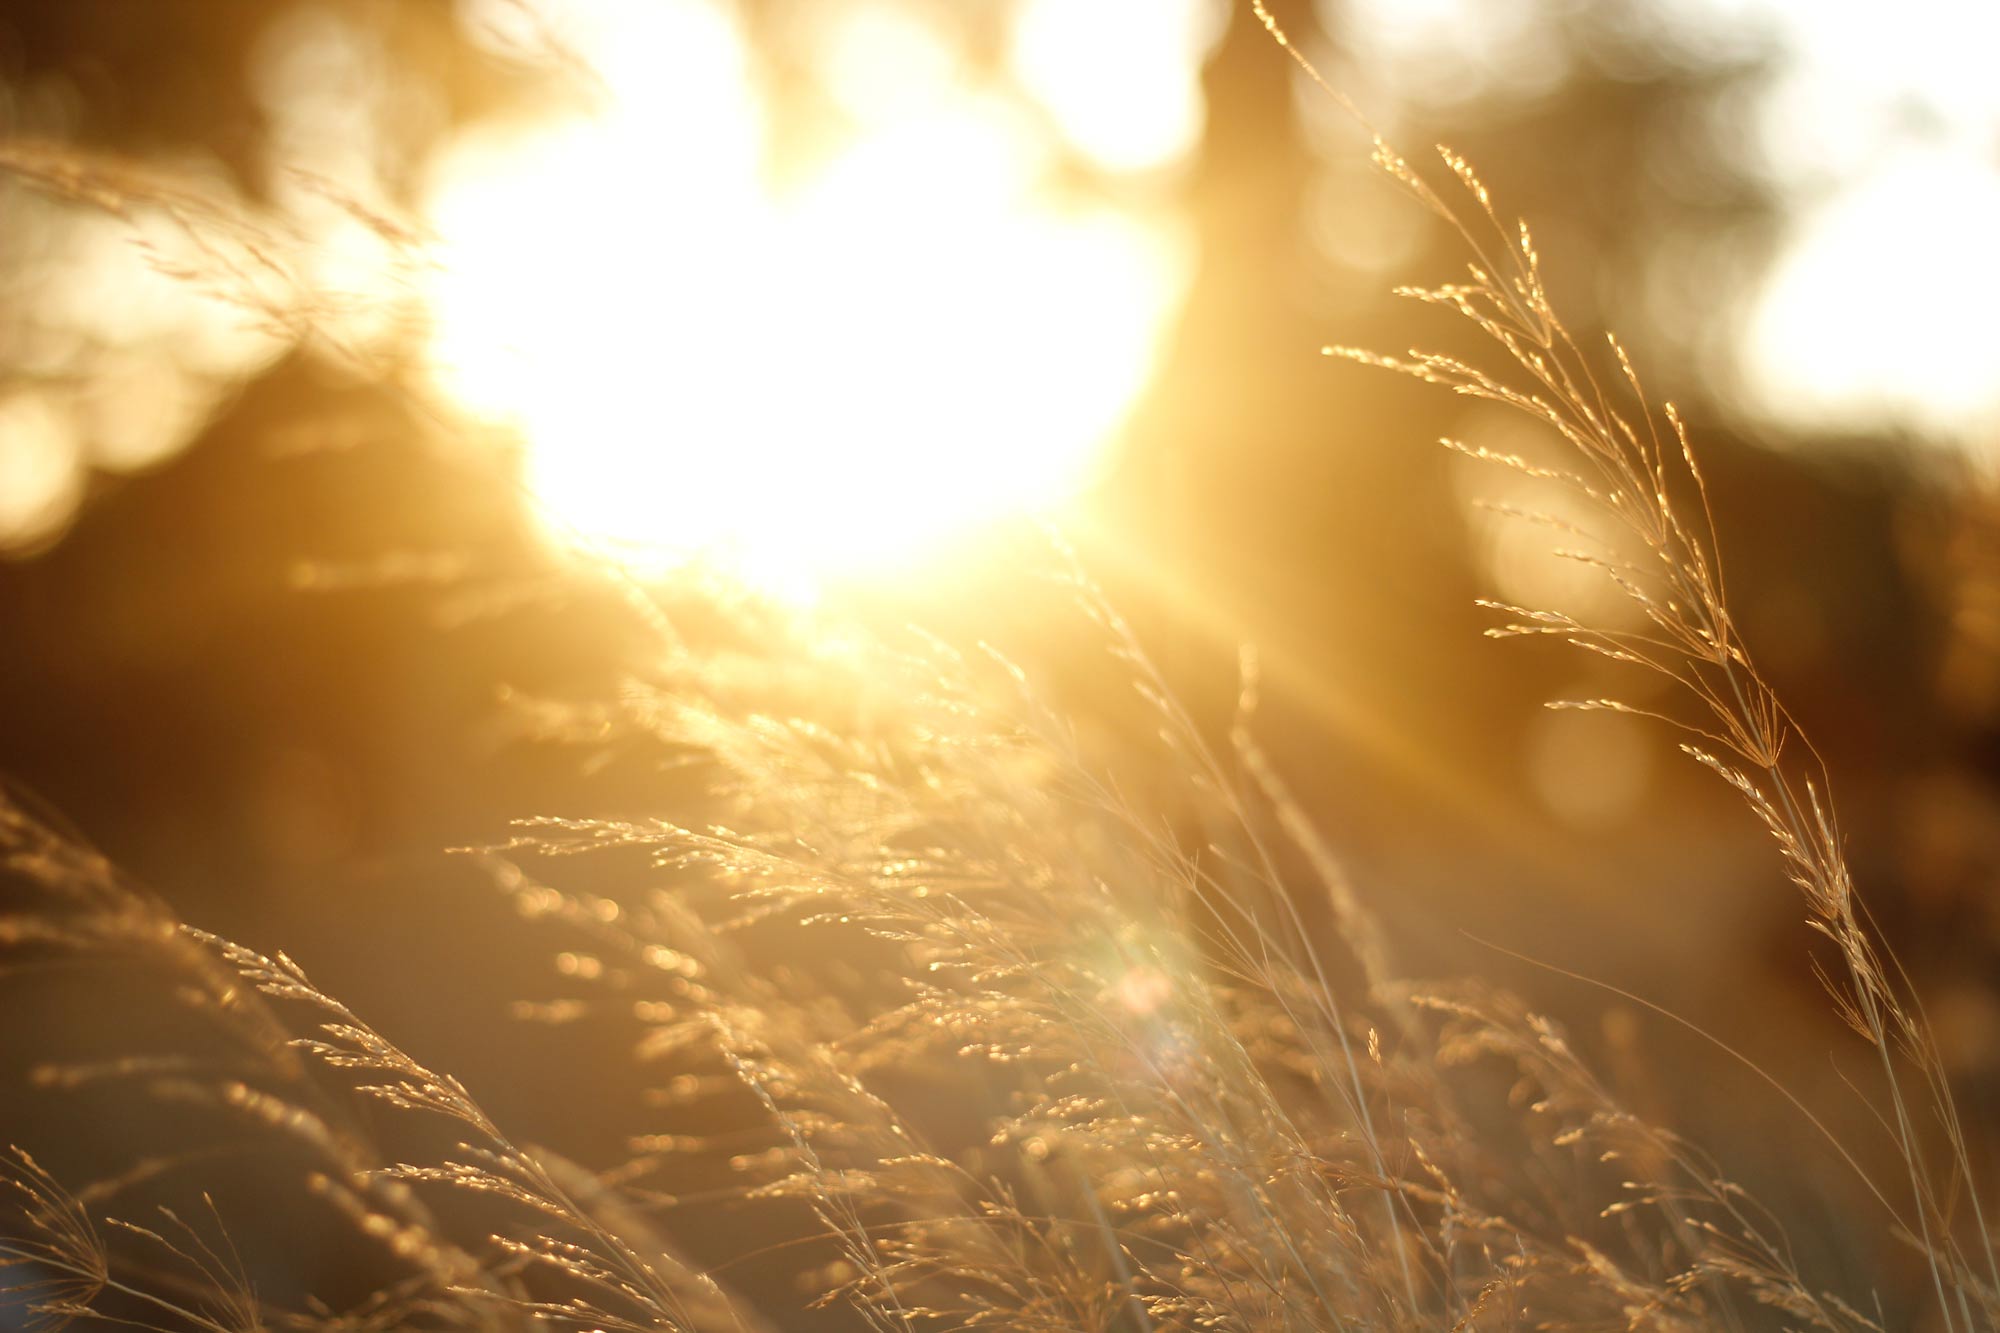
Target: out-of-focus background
333, 331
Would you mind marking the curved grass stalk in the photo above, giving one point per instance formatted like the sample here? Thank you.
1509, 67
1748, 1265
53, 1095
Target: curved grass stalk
1643, 481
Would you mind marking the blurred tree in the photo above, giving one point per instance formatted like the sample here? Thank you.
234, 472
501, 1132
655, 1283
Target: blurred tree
1301, 506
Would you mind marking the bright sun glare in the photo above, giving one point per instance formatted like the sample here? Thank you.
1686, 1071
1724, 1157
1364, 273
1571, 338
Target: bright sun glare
914, 334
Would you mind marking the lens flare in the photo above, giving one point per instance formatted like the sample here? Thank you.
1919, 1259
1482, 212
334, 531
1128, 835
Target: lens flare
816, 376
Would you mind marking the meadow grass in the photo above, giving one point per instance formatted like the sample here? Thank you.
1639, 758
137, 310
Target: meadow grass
1055, 1054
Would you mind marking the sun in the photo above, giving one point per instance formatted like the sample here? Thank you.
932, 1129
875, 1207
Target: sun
915, 334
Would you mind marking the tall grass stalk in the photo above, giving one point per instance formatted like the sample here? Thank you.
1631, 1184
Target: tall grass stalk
1646, 484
